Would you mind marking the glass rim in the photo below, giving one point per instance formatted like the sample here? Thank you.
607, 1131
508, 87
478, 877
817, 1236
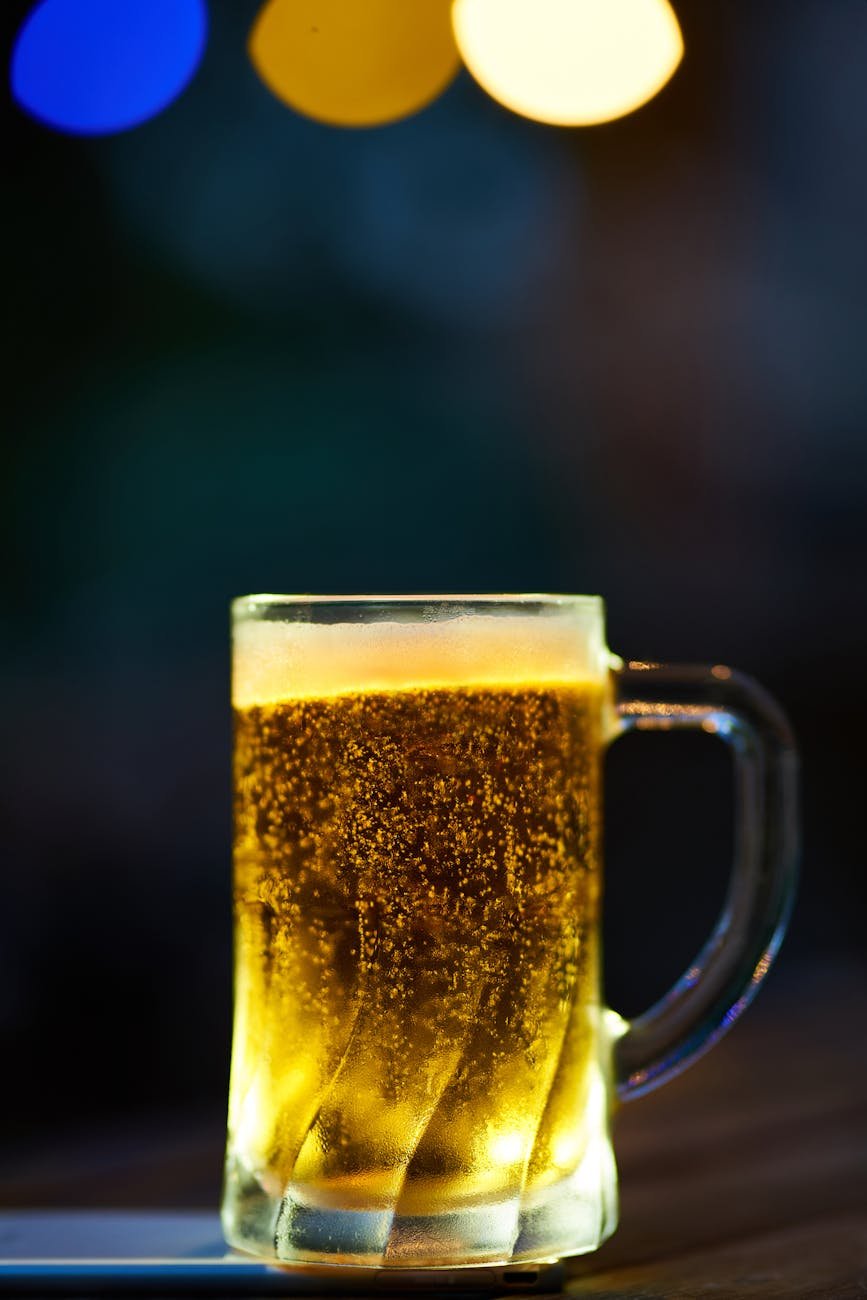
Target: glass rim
259, 602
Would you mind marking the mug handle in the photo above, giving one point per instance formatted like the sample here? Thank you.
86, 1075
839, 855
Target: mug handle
725, 976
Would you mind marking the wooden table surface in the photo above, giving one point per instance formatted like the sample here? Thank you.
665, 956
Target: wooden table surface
747, 1176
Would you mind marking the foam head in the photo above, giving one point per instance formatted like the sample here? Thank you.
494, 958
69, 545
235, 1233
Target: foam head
283, 651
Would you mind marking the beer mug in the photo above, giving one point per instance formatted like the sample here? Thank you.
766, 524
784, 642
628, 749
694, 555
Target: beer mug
423, 1069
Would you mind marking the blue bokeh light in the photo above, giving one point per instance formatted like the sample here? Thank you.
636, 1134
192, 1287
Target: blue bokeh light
93, 67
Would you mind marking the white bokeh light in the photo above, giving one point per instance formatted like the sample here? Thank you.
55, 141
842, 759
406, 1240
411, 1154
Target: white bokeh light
569, 62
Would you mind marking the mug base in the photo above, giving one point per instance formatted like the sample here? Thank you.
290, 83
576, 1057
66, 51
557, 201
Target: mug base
570, 1217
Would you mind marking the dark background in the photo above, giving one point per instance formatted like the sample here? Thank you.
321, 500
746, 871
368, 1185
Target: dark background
247, 353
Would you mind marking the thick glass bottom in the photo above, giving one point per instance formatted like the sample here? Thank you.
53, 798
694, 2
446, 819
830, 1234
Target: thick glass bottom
570, 1217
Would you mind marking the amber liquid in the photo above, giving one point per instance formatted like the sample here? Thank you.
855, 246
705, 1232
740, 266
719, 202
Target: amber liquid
416, 895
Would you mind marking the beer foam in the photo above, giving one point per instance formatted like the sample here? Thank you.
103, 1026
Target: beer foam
280, 660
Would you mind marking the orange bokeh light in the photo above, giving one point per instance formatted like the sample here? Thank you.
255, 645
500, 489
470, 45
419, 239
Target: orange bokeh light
355, 62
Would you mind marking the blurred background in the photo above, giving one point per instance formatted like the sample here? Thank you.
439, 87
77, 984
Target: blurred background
466, 352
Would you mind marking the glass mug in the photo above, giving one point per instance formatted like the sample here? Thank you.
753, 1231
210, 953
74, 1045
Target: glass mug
422, 1068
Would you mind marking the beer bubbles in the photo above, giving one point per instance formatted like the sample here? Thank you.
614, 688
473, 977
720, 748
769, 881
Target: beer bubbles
355, 62
569, 62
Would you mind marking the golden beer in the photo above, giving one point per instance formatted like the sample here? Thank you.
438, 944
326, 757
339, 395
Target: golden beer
417, 1057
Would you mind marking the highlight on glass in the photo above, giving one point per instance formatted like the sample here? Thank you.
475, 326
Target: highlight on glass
95, 67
